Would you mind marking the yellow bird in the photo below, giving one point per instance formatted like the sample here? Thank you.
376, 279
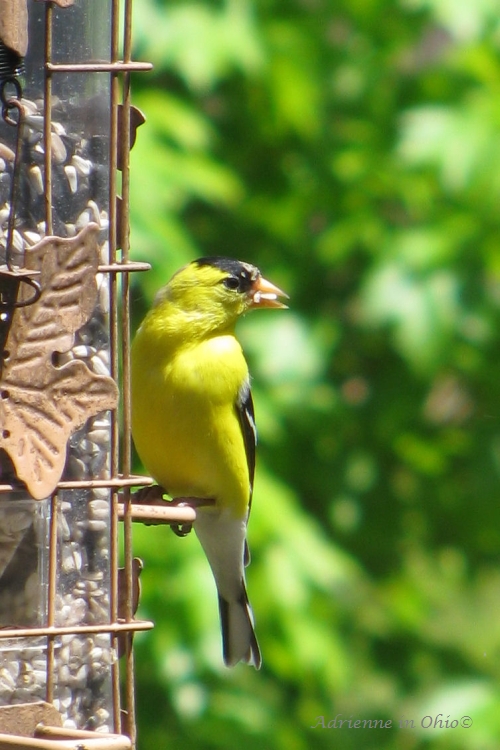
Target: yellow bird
193, 419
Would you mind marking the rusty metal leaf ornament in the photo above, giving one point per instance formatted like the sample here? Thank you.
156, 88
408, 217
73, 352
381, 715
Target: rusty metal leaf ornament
61, 3
41, 403
14, 25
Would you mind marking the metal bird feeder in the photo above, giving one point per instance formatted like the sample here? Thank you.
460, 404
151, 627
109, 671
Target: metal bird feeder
66, 607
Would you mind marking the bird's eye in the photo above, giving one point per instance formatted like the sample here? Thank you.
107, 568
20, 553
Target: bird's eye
231, 282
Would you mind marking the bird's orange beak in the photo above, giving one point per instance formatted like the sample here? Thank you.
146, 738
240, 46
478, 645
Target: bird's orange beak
264, 294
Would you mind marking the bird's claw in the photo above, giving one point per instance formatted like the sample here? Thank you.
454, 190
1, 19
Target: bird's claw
183, 529
151, 495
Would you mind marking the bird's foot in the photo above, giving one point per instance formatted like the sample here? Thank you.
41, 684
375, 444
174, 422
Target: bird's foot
152, 495
183, 529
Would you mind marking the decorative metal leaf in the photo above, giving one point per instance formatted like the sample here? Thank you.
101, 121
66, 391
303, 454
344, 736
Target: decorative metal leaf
14, 25
42, 403
62, 3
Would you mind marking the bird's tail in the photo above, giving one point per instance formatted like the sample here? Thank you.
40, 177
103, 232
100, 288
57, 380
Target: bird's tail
239, 642
223, 538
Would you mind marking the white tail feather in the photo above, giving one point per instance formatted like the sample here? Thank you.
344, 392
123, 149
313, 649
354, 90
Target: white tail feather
223, 540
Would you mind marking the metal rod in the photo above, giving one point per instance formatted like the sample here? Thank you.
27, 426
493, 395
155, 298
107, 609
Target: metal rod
44, 731
110, 627
47, 119
81, 484
15, 182
127, 267
125, 331
115, 672
113, 323
51, 604
56, 735
99, 742
112, 67
118, 481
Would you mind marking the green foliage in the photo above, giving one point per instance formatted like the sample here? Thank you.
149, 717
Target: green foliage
351, 150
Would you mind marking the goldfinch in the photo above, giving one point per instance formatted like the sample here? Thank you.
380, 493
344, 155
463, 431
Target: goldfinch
193, 419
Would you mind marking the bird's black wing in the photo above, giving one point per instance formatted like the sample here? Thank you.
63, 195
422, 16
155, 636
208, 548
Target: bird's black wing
246, 415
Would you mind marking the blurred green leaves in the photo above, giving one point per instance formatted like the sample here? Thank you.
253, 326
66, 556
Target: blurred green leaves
422, 309
201, 42
351, 150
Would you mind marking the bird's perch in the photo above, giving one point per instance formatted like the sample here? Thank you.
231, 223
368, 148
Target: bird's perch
155, 514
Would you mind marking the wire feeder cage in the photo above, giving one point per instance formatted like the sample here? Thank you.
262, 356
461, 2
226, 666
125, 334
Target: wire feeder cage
66, 607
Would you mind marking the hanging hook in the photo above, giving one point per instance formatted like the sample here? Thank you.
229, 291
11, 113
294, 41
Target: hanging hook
9, 100
9, 287
35, 296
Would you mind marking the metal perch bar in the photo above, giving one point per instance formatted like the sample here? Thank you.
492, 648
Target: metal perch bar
158, 514
55, 738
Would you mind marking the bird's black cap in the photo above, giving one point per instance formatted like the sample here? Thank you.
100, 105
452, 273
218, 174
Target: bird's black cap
245, 273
